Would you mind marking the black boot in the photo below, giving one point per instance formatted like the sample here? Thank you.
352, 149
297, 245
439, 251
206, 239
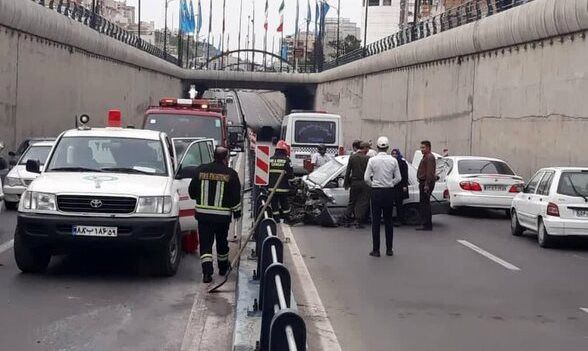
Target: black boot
206, 278
224, 269
375, 253
389, 252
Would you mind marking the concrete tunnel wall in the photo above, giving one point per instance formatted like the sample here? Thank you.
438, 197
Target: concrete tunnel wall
494, 96
53, 68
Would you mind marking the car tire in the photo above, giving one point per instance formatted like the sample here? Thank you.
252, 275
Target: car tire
12, 206
29, 259
412, 214
543, 238
515, 227
454, 211
507, 214
168, 257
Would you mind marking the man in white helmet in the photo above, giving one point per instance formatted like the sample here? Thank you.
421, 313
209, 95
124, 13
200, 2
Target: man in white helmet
382, 174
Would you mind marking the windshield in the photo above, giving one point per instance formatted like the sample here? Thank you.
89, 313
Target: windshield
39, 153
573, 184
483, 167
106, 154
182, 126
325, 172
315, 132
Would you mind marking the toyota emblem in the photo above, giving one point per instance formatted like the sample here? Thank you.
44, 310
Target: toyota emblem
96, 203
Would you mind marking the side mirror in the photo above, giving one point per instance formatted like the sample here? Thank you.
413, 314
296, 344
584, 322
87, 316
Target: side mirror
186, 172
34, 166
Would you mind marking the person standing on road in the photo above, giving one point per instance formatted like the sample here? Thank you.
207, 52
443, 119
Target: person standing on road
359, 195
217, 191
320, 157
280, 162
382, 174
426, 176
401, 189
371, 152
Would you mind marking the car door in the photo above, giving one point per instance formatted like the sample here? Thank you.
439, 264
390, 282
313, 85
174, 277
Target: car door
195, 154
524, 206
538, 207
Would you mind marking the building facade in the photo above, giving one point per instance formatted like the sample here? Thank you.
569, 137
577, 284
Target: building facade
346, 27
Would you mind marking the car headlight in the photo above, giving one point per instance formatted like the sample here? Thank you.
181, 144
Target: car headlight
33, 200
154, 204
10, 181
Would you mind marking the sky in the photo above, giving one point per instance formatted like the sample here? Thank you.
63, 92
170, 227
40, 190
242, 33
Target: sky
153, 10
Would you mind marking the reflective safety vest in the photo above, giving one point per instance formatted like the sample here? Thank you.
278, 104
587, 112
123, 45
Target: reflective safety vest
279, 163
217, 191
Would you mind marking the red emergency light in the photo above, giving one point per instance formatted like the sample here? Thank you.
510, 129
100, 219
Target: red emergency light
114, 119
203, 104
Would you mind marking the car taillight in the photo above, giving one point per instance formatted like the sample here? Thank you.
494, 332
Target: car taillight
341, 151
446, 194
470, 186
516, 188
552, 210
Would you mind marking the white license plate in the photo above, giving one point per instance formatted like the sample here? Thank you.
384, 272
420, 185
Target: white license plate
495, 188
582, 213
84, 230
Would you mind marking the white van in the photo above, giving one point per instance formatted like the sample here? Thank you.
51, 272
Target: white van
305, 130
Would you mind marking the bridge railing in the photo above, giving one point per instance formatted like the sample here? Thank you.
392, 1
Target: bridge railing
99, 23
282, 328
451, 18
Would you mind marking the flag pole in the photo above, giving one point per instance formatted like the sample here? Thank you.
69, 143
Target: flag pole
253, 40
209, 30
223, 37
239, 38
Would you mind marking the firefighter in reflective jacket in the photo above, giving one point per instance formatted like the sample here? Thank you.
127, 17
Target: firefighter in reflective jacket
217, 191
280, 162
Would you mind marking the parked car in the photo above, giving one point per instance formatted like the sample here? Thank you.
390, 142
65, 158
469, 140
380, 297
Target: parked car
3, 163
553, 204
482, 182
330, 178
1, 197
18, 179
22, 147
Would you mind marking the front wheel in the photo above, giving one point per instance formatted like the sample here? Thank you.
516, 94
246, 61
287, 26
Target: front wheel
543, 238
29, 259
515, 227
169, 256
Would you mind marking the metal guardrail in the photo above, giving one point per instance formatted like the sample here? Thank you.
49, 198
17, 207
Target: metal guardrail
282, 328
97, 22
466, 13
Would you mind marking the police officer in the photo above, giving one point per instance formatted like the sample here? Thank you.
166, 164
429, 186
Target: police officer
320, 157
217, 191
382, 174
280, 162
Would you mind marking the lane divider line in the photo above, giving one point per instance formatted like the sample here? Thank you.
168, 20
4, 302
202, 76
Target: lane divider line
584, 309
310, 300
6, 246
490, 256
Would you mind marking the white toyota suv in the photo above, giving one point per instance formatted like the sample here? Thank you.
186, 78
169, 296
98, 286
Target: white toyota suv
108, 187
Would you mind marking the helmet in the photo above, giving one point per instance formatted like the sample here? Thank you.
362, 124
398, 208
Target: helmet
383, 143
281, 145
322, 148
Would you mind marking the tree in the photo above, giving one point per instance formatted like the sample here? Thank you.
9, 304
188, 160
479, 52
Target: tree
347, 45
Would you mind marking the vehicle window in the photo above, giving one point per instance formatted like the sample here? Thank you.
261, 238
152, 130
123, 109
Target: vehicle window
325, 172
532, 185
108, 154
315, 132
182, 126
573, 184
35, 153
545, 184
193, 156
483, 167
205, 152
444, 166
23, 147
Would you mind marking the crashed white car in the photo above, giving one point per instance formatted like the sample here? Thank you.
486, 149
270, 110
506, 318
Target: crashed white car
330, 178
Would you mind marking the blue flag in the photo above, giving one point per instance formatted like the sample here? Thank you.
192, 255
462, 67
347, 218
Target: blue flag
316, 18
199, 18
324, 9
192, 18
185, 23
308, 12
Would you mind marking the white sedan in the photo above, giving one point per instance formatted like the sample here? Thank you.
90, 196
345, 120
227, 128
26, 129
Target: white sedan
330, 178
18, 179
483, 182
554, 203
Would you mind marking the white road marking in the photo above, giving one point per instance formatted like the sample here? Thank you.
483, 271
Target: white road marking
584, 309
310, 300
490, 256
6, 246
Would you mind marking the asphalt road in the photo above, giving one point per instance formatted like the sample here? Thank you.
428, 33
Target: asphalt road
261, 112
437, 293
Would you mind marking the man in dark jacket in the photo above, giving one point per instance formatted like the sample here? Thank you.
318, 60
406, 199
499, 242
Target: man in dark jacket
401, 189
427, 177
217, 191
280, 162
359, 195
